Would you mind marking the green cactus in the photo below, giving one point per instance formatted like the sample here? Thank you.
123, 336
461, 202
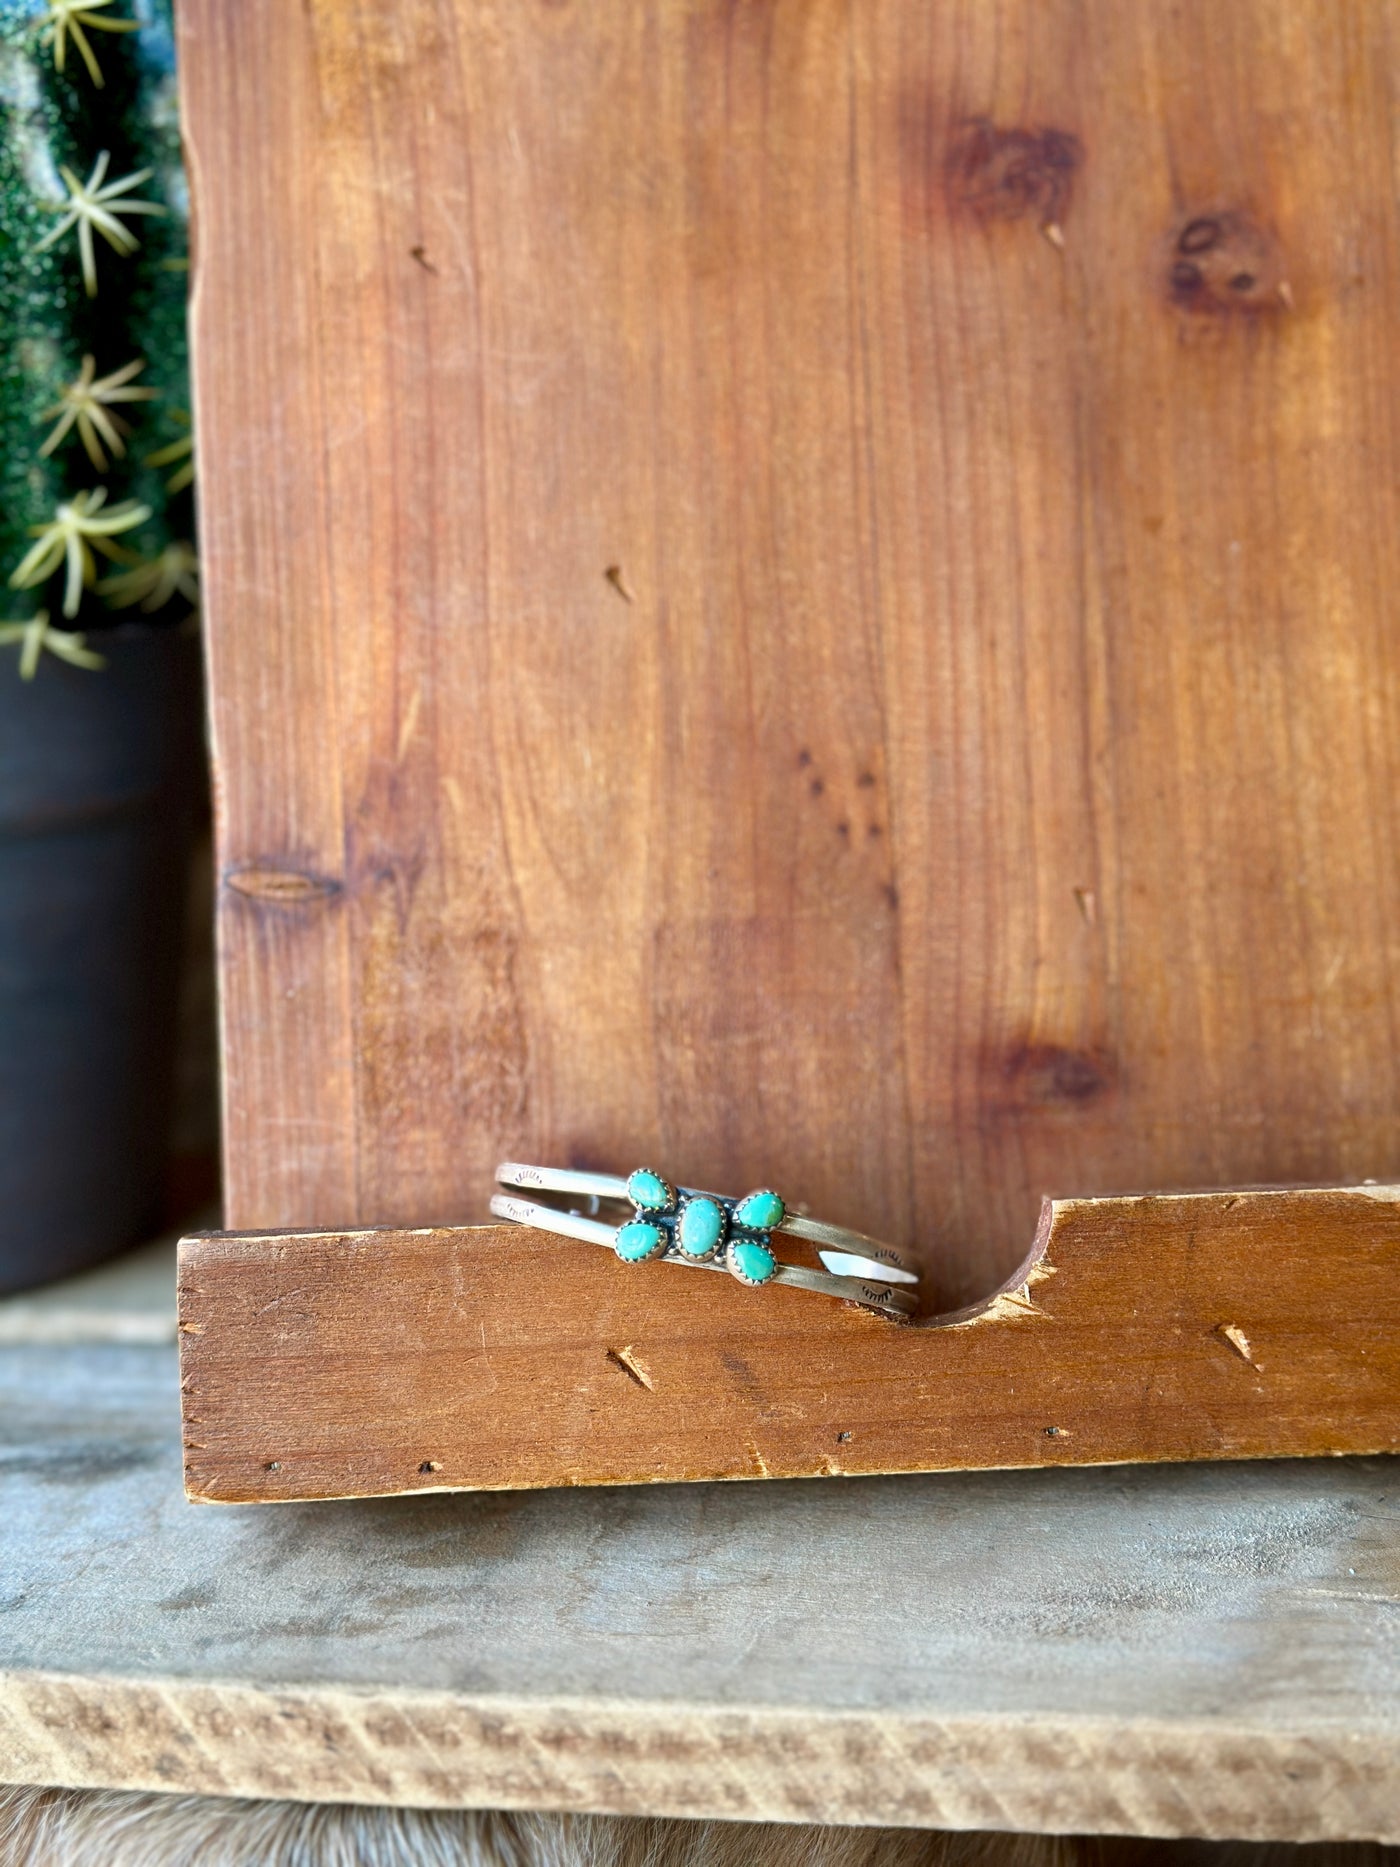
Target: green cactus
94, 398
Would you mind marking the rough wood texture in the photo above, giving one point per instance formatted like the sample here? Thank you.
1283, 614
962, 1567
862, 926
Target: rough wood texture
805, 592
1155, 1650
1194, 1327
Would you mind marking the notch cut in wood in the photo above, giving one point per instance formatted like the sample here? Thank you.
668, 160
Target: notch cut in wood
373, 1361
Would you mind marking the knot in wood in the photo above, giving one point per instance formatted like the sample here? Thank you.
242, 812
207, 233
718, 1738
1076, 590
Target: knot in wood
1013, 174
1223, 263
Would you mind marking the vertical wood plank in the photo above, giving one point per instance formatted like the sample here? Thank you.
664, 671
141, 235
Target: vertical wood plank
811, 640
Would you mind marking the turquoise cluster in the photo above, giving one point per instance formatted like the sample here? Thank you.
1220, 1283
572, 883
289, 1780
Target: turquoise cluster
697, 1228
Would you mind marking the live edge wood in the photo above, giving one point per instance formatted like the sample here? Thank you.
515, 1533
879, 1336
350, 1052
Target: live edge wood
1195, 1326
804, 592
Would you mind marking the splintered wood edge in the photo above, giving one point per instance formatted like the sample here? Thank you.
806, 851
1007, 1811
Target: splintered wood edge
1012, 1299
1059, 1218
1041, 1772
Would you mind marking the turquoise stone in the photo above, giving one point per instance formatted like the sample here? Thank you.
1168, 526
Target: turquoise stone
649, 1192
751, 1262
760, 1212
701, 1228
638, 1240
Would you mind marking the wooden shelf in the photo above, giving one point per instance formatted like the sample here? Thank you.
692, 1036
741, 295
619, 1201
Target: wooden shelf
1198, 1650
1183, 1326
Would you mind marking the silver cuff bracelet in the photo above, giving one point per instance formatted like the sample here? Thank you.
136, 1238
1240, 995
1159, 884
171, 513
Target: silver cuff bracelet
710, 1231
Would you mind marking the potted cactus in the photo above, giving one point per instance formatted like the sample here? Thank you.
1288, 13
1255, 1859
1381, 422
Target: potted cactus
100, 766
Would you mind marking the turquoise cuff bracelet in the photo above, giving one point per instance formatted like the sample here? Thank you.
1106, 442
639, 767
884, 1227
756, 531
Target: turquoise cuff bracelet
710, 1231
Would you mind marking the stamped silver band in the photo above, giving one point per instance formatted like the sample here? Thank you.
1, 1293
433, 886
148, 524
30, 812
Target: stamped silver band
858, 1269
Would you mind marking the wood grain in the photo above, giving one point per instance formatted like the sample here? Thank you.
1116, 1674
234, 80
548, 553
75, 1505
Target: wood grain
1169, 1649
435, 1750
1195, 1326
804, 592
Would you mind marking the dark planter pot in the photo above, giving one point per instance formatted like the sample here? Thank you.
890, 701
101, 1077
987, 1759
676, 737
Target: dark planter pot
101, 786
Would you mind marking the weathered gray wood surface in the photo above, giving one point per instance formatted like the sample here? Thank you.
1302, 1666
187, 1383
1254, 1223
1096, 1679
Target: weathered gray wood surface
1207, 1650
129, 1300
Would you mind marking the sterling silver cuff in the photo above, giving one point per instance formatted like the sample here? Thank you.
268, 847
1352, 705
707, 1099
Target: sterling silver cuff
710, 1231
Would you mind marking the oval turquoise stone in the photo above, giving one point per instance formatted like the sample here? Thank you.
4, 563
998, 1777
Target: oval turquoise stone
701, 1228
760, 1212
750, 1262
638, 1240
649, 1192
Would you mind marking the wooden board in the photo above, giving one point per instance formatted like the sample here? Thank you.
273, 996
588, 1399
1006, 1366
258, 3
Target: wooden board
1202, 1650
1194, 1327
802, 592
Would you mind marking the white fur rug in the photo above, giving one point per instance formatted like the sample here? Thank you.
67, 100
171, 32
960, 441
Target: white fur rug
111, 1828
102, 1828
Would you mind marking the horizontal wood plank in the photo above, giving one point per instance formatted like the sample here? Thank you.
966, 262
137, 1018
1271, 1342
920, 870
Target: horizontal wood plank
1197, 1326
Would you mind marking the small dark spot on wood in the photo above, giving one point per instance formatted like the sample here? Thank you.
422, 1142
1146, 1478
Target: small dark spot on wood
804, 757
420, 254
1013, 174
843, 829
1186, 277
1242, 282
193, 1597
1198, 236
816, 787
866, 780
614, 575
891, 894
273, 1465
874, 829
1040, 1075
1076, 1078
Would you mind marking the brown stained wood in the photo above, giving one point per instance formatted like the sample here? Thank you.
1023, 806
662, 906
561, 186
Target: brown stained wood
804, 592
1194, 1326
